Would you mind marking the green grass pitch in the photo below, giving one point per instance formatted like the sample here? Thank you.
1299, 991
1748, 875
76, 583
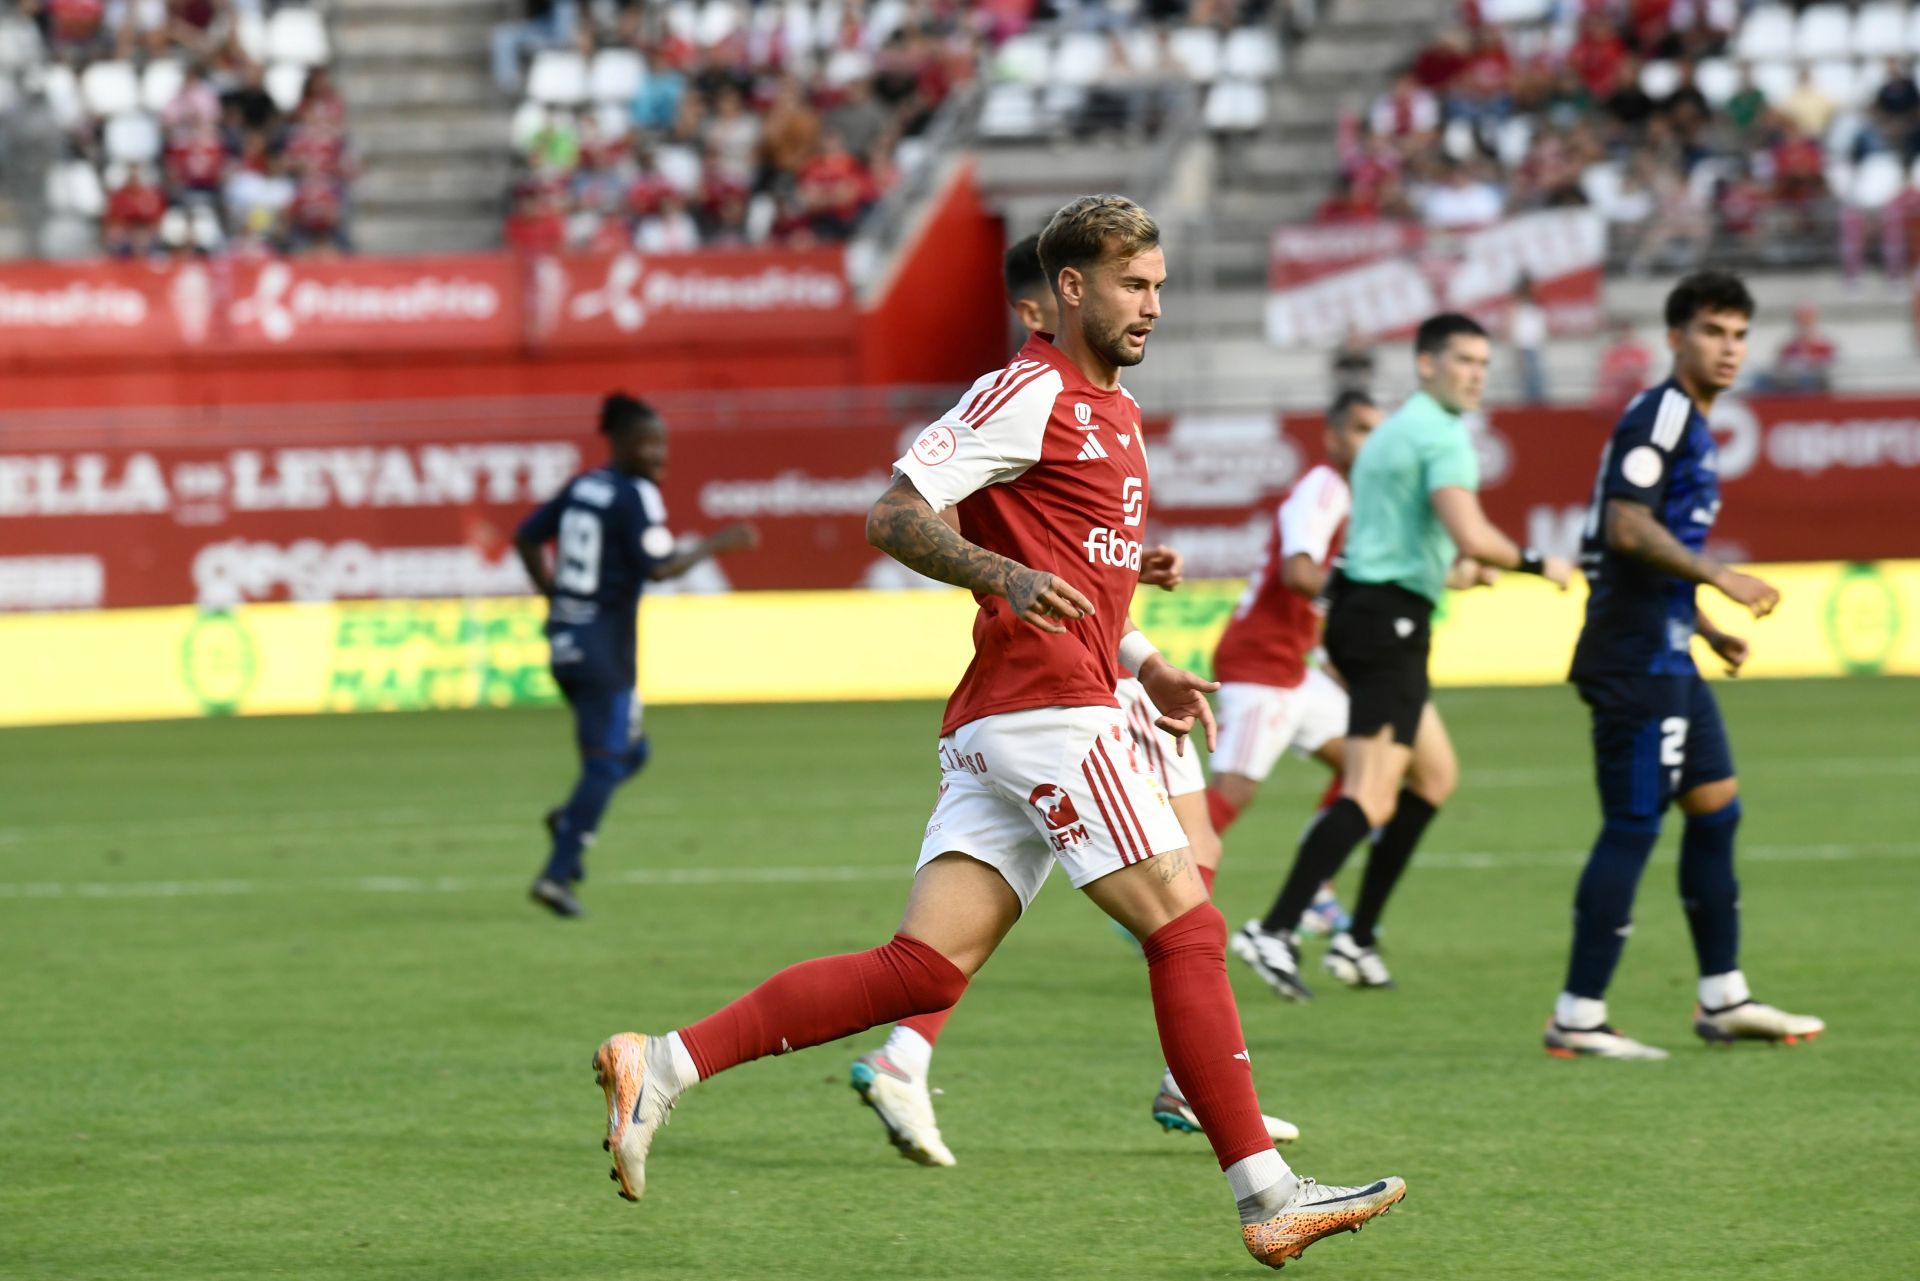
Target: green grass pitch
275, 1005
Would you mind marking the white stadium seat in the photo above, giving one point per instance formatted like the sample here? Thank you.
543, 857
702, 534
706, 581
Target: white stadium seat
1877, 180
1775, 81
1913, 32
1196, 51
1080, 59
557, 76
1009, 111
296, 33
1880, 31
110, 89
1236, 106
250, 32
1824, 31
160, 83
1658, 80
1718, 80
1767, 34
1913, 175
528, 120
680, 166
1145, 53
616, 76
1513, 140
1251, 53
286, 83
20, 44
1840, 81
1839, 175
1459, 140
615, 121
61, 89
683, 19
719, 19
1024, 59
74, 188
132, 139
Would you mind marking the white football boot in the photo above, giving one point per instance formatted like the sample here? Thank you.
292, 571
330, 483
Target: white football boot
1753, 1021
1316, 1210
904, 1106
1173, 1112
1354, 965
637, 1074
1602, 1042
1274, 957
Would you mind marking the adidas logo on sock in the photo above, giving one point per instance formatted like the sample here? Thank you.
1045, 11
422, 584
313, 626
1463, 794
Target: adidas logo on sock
1092, 450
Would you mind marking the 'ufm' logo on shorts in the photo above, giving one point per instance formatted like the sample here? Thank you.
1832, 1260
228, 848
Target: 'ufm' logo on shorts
1062, 819
1111, 547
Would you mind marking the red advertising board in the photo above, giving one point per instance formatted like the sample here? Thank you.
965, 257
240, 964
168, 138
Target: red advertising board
420, 498
1384, 278
722, 295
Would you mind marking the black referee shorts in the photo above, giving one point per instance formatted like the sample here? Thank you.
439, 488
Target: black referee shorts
1378, 637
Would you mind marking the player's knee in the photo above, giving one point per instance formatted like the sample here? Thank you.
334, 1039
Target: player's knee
1375, 802
1711, 798
1199, 932
637, 756
932, 980
603, 766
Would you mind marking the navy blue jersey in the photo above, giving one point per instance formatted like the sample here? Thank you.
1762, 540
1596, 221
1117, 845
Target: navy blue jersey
609, 531
1662, 455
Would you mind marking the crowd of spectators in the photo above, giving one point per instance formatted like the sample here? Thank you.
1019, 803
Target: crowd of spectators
180, 138
1604, 106
750, 123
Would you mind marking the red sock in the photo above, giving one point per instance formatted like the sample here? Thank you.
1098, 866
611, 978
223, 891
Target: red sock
825, 999
928, 1025
1200, 1031
1206, 878
1221, 810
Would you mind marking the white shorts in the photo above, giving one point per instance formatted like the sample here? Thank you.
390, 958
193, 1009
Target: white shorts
1258, 722
1160, 752
1023, 790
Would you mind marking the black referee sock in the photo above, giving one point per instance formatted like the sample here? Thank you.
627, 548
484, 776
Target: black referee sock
1323, 850
1391, 854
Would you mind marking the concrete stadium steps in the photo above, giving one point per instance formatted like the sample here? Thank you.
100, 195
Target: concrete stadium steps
429, 125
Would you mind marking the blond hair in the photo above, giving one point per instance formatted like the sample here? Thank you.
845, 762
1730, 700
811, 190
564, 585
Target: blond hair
1093, 229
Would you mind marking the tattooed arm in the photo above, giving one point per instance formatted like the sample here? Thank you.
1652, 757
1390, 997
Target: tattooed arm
904, 526
1632, 531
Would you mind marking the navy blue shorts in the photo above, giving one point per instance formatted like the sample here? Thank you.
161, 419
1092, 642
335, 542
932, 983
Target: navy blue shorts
1654, 738
606, 718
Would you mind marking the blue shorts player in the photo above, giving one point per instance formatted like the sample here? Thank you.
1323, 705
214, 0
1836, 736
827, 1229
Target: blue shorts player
1657, 733
609, 531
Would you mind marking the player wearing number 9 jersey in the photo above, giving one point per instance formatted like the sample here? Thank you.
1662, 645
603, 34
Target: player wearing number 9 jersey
609, 531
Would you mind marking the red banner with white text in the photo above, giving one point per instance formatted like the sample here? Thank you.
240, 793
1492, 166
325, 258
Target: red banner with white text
410, 499
1382, 279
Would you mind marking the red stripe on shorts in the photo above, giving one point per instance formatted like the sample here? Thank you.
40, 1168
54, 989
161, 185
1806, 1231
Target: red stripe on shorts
1122, 841
1120, 792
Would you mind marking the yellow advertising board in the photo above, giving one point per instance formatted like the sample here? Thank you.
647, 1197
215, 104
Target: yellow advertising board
1834, 620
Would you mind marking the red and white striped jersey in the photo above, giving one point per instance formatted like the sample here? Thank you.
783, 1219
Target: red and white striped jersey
1274, 628
1051, 471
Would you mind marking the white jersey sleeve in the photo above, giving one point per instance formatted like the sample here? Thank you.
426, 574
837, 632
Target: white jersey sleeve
992, 436
1312, 513
656, 539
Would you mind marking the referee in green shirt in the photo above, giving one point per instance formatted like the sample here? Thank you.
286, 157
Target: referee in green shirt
1416, 528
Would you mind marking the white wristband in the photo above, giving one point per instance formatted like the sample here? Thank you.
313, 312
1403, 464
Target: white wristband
1136, 649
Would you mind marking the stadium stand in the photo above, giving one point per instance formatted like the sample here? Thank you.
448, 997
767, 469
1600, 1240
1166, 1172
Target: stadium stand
174, 126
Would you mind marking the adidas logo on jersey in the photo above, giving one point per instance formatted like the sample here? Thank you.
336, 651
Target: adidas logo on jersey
1092, 450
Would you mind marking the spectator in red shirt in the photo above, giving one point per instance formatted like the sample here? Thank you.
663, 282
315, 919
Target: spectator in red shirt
131, 226
1436, 65
1407, 111
1799, 167
1804, 364
722, 206
317, 218
1626, 369
649, 188
76, 29
538, 224
321, 104
196, 161
834, 189
197, 101
1596, 56
1345, 204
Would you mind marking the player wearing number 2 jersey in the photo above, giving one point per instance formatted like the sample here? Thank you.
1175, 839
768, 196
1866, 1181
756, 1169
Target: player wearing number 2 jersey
610, 537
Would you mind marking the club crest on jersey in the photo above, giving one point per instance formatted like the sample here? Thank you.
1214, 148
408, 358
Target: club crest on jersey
1062, 819
1111, 547
1083, 413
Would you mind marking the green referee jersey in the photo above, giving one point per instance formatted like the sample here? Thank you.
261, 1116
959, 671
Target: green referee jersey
1393, 534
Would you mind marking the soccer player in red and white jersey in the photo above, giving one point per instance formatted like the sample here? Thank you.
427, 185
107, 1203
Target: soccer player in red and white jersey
893, 1080
1037, 764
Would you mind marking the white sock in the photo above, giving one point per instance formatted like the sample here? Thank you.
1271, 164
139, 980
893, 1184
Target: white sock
1261, 1184
910, 1052
1580, 1013
1718, 991
683, 1064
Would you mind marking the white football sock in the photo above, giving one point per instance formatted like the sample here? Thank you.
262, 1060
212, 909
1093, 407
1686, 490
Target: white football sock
910, 1052
684, 1067
1718, 991
1579, 1013
1261, 1184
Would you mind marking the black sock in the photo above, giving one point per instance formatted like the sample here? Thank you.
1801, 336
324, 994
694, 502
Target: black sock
1391, 854
1322, 852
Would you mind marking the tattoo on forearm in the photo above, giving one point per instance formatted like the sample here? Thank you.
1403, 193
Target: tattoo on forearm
1634, 532
904, 526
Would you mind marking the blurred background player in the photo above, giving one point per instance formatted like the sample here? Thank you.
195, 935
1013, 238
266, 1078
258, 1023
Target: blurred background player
609, 529
1657, 732
893, 1080
1034, 749
1416, 511
1272, 697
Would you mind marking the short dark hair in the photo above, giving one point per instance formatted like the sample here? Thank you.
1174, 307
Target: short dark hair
1022, 270
1345, 403
621, 413
1437, 331
1709, 290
